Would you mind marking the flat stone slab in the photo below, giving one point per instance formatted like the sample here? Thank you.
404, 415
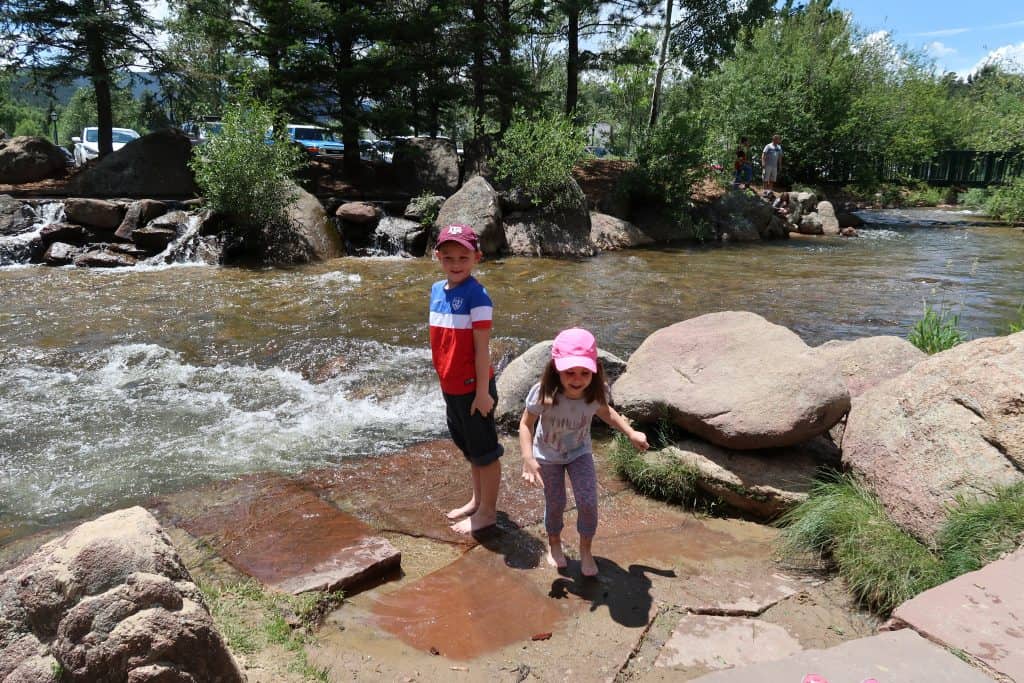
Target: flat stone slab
894, 657
723, 642
284, 535
981, 613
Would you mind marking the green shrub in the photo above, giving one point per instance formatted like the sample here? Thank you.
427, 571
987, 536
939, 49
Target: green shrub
537, 155
975, 198
978, 532
1006, 202
920, 194
240, 174
936, 331
671, 160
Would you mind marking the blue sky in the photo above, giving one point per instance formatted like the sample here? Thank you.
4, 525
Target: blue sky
958, 34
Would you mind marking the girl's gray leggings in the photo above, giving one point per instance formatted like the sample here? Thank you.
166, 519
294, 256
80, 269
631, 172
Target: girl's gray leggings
584, 490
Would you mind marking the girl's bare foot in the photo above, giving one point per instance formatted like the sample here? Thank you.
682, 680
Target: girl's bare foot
475, 522
555, 556
588, 565
464, 511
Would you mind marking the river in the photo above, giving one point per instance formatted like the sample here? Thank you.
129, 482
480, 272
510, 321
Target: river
116, 385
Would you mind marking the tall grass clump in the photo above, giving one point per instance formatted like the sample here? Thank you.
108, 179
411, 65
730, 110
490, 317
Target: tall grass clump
882, 564
654, 475
1016, 325
978, 532
936, 331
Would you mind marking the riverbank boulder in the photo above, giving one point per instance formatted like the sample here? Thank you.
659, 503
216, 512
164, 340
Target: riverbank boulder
734, 379
477, 205
15, 217
739, 216
109, 601
609, 233
760, 483
26, 159
559, 227
868, 361
94, 213
153, 166
309, 234
800, 204
525, 370
951, 426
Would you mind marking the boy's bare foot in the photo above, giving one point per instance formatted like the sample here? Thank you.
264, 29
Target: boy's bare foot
588, 565
475, 522
556, 558
464, 511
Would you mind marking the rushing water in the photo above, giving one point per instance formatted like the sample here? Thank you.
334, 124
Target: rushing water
119, 384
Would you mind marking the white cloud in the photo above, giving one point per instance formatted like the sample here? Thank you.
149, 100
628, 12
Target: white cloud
1010, 57
940, 33
938, 49
876, 37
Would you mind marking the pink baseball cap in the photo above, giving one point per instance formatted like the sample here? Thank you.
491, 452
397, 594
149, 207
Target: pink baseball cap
574, 348
461, 234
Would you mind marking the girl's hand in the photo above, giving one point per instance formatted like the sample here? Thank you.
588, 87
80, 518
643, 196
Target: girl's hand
531, 472
639, 440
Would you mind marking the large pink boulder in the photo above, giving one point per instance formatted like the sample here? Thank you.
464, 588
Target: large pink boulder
734, 379
25, 159
867, 361
951, 426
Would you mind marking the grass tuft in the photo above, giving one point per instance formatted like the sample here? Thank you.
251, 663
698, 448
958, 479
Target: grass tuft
661, 478
978, 532
936, 331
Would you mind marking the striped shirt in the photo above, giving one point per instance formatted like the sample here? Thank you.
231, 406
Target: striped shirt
454, 314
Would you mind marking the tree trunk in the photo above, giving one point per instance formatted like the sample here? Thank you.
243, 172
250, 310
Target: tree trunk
507, 91
572, 62
659, 73
478, 69
99, 74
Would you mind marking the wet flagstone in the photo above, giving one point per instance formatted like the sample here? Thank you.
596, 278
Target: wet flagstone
284, 535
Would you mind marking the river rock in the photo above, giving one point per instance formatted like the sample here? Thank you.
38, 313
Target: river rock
15, 217
103, 258
360, 213
109, 601
848, 232
427, 164
71, 233
161, 231
800, 204
559, 227
849, 220
811, 224
761, 483
868, 361
26, 159
60, 254
827, 215
950, 426
317, 237
94, 213
477, 206
524, 371
734, 379
155, 165
609, 233
138, 214
739, 216
399, 235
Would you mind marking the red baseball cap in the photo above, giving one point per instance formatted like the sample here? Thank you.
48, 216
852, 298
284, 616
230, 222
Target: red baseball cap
461, 234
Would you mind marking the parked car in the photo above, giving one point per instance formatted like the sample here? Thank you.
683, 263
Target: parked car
200, 132
87, 146
385, 150
316, 140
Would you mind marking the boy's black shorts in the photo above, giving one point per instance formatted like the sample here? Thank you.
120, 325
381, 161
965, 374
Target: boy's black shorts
476, 436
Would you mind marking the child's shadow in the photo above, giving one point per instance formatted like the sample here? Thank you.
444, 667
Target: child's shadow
521, 549
627, 593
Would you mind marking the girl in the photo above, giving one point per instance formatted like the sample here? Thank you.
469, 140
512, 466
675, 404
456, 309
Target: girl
554, 438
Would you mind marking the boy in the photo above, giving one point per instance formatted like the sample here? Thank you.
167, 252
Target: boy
460, 335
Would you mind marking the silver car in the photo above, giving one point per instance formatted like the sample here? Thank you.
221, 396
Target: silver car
87, 146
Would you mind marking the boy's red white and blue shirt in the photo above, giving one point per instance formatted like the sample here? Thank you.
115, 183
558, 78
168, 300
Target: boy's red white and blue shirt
454, 314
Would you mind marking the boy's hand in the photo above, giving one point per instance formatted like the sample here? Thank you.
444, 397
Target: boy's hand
531, 471
482, 403
639, 440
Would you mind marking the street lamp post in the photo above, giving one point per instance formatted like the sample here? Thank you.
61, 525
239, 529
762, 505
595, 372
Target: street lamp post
53, 117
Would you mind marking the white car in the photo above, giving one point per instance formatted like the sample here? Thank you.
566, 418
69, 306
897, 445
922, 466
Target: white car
87, 146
